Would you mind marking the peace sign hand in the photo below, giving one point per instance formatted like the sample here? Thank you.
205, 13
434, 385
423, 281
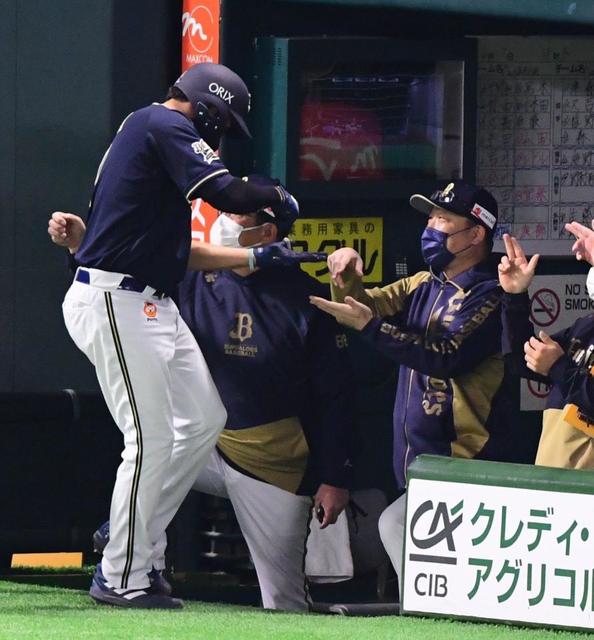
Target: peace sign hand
515, 271
583, 247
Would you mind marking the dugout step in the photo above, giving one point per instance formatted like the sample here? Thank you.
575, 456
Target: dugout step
223, 536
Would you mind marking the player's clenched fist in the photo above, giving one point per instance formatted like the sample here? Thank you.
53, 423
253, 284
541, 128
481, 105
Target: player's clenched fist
66, 230
541, 353
343, 262
329, 502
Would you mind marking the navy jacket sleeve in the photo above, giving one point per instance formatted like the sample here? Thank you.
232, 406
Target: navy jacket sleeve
473, 335
328, 420
517, 329
574, 380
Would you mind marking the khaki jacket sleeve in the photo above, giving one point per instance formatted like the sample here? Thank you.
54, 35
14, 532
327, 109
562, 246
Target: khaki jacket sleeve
383, 301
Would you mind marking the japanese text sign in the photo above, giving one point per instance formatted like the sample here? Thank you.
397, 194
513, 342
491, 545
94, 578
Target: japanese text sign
329, 234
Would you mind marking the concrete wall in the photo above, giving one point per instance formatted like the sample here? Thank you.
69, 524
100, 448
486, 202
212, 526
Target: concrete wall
71, 70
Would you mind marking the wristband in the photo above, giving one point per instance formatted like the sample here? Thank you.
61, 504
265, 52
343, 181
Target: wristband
251, 260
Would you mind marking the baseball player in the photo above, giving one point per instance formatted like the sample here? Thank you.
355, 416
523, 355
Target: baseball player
443, 327
564, 360
290, 420
119, 312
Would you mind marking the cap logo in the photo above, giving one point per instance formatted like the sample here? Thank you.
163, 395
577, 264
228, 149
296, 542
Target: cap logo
221, 92
447, 189
482, 214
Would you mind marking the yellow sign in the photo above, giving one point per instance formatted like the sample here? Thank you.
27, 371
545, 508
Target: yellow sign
329, 234
58, 560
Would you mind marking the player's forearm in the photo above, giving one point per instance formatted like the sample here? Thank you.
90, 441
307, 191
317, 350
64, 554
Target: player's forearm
240, 196
516, 325
204, 257
473, 336
390, 299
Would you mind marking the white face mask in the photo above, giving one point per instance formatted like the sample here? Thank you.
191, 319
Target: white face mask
590, 283
225, 232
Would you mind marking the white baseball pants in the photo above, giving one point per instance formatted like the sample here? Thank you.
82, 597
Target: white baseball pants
275, 525
391, 526
160, 393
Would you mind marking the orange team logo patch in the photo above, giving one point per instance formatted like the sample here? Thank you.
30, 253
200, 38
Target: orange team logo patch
150, 310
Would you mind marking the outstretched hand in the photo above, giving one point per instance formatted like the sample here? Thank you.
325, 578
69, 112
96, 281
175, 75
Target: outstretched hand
583, 247
350, 312
280, 254
515, 270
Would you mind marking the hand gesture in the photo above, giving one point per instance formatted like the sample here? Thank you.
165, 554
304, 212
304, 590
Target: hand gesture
344, 261
329, 502
541, 355
350, 312
515, 271
66, 230
583, 247
280, 254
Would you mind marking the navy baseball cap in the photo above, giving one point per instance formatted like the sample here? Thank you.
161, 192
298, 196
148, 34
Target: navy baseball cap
463, 199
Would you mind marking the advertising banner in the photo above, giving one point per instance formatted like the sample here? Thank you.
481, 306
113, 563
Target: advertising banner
200, 32
328, 234
200, 43
501, 553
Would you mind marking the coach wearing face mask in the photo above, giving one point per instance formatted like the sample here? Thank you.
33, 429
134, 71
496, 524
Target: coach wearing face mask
443, 328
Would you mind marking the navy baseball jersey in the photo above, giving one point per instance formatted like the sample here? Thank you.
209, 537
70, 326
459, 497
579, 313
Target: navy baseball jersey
282, 371
139, 220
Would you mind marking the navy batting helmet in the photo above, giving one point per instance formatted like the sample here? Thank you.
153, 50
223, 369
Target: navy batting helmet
208, 85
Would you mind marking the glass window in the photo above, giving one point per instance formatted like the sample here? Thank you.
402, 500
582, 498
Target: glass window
377, 120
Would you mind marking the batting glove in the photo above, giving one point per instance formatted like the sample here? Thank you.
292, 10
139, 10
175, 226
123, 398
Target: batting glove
280, 254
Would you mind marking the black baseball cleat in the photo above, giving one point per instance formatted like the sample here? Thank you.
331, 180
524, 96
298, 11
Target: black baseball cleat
103, 593
158, 581
101, 538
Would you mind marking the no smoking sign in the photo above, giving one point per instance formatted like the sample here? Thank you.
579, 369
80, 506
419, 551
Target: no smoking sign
544, 307
538, 389
556, 302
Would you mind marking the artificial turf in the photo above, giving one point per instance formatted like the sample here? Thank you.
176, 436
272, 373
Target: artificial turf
29, 611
